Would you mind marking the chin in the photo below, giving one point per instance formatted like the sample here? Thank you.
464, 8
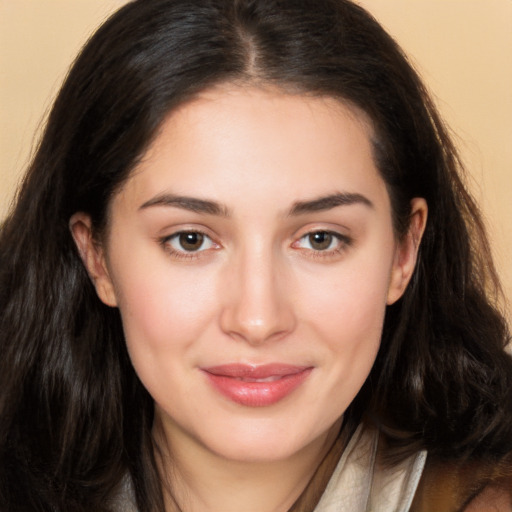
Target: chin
266, 441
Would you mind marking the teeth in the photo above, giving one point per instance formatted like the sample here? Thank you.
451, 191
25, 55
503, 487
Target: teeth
273, 378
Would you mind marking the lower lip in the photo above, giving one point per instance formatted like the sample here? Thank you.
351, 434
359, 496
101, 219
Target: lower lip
257, 393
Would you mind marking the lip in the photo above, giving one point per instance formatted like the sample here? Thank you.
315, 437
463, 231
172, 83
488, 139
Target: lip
256, 385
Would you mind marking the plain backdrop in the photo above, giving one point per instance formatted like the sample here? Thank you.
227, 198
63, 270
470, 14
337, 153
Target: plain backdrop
462, 49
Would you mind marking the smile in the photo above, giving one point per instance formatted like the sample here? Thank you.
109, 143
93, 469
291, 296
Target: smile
256, 386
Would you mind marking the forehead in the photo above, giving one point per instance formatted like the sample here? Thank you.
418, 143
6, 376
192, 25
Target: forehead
232, 140
237, 110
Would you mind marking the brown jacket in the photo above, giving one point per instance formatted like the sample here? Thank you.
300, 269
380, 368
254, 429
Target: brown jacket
470, 487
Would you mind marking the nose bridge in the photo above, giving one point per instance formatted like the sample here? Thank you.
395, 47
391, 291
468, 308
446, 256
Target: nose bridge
258, 309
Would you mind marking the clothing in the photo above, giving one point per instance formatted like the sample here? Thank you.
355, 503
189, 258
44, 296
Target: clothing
357, 484
472, 486
360, 483
124, 501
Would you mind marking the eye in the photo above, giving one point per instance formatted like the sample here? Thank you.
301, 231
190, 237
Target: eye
189, 242
322, 241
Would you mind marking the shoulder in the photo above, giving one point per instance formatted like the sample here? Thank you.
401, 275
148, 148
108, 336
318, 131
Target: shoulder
492, 498
474, 486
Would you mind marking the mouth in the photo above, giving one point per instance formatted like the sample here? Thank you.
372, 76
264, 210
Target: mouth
256, 386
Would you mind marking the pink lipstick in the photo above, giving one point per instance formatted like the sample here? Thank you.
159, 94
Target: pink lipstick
256, 386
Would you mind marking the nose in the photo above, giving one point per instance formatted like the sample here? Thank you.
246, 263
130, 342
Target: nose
258, 306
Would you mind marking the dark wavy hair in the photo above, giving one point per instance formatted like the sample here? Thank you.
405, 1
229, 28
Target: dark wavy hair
75, 419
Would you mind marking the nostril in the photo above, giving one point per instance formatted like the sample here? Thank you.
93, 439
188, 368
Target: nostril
271, 323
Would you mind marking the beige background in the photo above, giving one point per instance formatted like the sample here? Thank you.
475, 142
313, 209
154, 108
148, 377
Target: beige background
462, 48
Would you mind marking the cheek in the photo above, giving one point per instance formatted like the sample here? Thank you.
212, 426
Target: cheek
346, 310
165, 315
163, 310
351, 303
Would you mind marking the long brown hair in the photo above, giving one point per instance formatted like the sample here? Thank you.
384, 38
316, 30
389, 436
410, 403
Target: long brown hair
75, 419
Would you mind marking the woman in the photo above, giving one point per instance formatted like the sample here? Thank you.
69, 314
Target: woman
243, 273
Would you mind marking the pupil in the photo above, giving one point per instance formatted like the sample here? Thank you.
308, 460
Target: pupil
191, 241
320, 240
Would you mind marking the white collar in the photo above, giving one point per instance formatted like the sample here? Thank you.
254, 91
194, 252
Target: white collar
359, 484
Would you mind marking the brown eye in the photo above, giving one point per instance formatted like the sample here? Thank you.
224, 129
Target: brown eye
321, 240
190, 241
188, 244
324, 243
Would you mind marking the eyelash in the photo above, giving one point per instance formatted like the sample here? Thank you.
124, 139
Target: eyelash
183, 254
342, 243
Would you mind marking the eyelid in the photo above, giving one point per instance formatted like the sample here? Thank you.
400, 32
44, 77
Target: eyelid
166, 243
334, 234
343, 243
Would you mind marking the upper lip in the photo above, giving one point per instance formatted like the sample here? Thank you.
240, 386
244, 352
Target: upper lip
263, 371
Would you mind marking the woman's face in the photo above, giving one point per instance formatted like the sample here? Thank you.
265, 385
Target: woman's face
252, 256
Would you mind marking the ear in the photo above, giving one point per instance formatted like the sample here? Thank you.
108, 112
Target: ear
407, 251
93, 257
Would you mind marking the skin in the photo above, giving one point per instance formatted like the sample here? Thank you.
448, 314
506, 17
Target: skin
259, 289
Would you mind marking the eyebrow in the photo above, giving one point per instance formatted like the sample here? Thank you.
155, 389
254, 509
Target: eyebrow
209, 207
329, 202
192, 204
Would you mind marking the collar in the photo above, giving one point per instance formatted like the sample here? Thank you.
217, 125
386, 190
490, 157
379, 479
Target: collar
360, 484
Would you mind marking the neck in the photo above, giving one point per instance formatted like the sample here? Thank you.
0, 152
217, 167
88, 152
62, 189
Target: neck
201, 481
